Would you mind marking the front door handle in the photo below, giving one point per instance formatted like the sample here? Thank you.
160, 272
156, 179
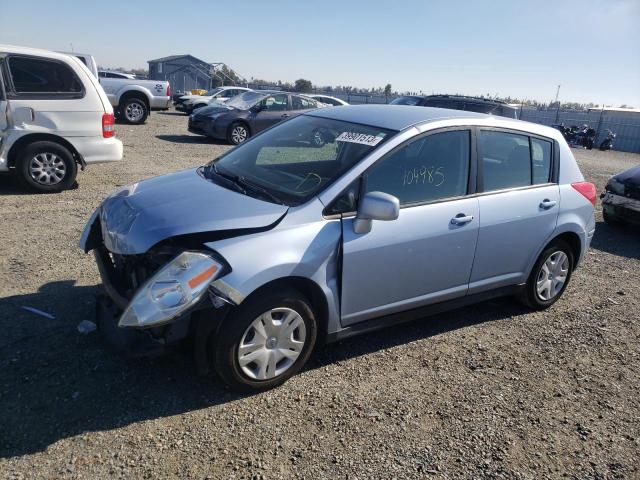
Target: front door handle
461, 219
546, 204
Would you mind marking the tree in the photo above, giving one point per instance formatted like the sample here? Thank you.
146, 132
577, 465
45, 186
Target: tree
303, 86
387, 89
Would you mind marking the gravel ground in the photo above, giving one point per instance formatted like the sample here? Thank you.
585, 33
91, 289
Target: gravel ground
490, 391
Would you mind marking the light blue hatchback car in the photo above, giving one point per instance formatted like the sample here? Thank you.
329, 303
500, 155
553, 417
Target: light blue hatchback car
334, 223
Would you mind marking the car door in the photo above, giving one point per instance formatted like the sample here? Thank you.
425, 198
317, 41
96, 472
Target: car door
426, 254
4, 117
273, 109
518, 207
48, 95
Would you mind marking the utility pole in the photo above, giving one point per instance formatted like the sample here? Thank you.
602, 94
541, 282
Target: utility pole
557, 105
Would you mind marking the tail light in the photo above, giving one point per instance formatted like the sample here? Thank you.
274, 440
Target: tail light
168, 90
108, 125
587, 190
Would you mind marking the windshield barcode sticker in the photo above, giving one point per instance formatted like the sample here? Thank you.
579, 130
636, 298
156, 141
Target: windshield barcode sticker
362, 138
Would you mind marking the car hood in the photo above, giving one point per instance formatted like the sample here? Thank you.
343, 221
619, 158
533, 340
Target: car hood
630, 177
137, 217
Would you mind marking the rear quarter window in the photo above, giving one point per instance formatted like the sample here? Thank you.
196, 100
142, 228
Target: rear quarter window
43, 78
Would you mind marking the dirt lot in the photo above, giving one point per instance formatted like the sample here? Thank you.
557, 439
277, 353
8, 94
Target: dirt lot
491, 391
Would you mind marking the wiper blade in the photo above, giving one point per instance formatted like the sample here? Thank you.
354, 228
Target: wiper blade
232, 179
242, 184
259, 189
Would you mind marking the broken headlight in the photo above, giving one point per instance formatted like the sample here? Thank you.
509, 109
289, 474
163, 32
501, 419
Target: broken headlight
171, 291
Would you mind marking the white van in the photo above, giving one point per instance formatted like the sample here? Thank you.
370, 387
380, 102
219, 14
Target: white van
54, 117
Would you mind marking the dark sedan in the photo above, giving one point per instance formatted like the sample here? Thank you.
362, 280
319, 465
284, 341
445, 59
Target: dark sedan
247, 114
621, 198
460, 102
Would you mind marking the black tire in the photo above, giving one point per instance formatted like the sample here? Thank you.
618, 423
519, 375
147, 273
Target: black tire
134, 110
225, 344
234, 136
530, 295
50, 158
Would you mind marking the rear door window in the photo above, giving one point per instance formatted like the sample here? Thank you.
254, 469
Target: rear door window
43, 77
431, 168
505, 160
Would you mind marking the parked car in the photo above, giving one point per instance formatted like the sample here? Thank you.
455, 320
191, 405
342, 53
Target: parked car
459, 102
279, 245
133, 99
109, 74
621, 198
247, 114
221, 94
54, 117
328, 100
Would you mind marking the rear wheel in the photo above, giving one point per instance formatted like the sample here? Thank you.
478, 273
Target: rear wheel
237, 133
134, 111
46, 167
265, 341
549, 277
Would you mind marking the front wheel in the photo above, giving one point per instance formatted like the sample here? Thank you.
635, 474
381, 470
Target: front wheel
549, 277
265, 341
134, 111
46, 167
238, 133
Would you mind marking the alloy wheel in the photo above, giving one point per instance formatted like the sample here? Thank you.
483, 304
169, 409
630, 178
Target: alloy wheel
47, 168
134, 111
239, 134
553, 275
272, 343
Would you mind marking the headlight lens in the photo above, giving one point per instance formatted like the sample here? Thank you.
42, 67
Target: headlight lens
614, 186
171, 291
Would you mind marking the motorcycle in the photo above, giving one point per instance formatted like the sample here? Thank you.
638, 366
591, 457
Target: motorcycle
584, 137
569, 133
607, 143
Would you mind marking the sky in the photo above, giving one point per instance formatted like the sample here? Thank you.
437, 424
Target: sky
517, 48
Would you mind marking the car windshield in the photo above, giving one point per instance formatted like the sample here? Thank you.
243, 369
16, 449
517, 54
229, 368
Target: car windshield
210, 93
297, 159
246, 100
406, 101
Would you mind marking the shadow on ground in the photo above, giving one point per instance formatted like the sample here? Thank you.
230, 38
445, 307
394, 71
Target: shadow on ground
190, 139
58, 383
172, 113
623, 240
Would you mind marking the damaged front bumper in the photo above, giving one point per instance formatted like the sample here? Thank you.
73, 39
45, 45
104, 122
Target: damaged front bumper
625, 208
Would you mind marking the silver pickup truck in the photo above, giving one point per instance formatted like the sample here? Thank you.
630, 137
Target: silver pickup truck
133, 99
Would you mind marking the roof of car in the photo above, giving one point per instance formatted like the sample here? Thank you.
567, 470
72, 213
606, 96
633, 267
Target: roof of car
460, 98
36, 52
392, 117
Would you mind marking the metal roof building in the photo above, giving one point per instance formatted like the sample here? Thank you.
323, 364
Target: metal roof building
184, 72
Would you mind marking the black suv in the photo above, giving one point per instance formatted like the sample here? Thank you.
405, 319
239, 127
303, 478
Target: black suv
459, 102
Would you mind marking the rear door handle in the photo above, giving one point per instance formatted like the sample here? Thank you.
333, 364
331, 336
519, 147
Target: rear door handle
546, 204
285, 115
461, 219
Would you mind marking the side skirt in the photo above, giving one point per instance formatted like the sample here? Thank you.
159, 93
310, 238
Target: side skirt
420, 312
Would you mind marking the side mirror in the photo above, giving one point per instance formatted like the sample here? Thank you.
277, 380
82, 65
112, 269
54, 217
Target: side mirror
257, 108
375, 206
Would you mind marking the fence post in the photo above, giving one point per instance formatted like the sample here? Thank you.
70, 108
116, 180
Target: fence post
599, 123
